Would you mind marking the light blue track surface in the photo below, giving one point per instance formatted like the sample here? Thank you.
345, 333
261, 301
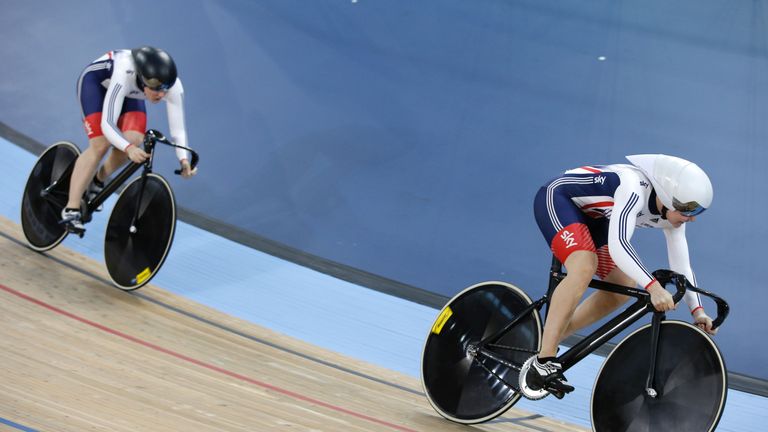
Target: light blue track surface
311, 306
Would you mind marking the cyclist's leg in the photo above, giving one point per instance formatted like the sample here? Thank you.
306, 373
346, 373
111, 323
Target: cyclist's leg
91, 94
581, 266
599, 303
545, 372
117, 158
85, 167
112, 163
566, 230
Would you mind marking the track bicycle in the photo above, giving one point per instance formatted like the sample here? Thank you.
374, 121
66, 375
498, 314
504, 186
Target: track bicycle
667, 375
142, 223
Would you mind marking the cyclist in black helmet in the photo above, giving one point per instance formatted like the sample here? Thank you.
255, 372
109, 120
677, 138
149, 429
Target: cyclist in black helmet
112, 91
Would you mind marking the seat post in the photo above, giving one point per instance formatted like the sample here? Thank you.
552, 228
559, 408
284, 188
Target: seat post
555, 269
556, 264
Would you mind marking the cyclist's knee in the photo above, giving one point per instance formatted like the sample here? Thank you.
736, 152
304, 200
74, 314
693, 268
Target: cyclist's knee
612, 300
99, 145
618, 277
581, 265
117, 157
134, 137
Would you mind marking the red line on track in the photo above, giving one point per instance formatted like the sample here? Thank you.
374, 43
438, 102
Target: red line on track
203, 364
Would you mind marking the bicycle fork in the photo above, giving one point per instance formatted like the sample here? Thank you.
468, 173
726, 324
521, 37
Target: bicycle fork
650, 384
149, 146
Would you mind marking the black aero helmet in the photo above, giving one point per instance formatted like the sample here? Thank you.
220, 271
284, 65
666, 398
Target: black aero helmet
154, 68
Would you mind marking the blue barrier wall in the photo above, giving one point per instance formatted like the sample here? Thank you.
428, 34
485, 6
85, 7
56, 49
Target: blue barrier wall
408, 138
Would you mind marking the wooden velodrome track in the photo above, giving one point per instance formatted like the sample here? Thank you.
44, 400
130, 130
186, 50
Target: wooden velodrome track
79, 355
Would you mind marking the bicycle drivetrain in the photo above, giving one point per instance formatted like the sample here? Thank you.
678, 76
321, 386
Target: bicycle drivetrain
530, 393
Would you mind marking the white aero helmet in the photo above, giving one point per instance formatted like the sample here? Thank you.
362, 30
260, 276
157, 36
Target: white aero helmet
680, 185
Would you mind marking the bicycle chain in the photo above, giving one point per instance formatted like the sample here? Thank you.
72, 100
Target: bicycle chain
512, 386
511, 348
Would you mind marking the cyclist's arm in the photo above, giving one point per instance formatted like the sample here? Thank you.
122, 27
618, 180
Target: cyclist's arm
113, 105
679, 261
628, 201
175, 107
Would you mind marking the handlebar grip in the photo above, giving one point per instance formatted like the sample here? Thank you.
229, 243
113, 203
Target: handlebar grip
192, 164
195, 159
666, 276
154, 134
722, 312
680, 283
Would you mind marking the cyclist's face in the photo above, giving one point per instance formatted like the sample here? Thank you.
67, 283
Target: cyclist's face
676, 218
154, 96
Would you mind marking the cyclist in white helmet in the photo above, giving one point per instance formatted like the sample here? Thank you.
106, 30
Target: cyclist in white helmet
588, 216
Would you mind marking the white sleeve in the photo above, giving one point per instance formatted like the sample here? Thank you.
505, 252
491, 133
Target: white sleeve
679, 261
113, 105
626, 204
175, 107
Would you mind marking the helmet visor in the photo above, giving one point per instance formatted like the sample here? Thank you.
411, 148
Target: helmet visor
691, 208
155, 84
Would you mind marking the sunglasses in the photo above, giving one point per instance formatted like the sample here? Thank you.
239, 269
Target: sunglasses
691, 208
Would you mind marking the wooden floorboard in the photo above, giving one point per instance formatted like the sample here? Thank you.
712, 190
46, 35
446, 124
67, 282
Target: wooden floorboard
77, 354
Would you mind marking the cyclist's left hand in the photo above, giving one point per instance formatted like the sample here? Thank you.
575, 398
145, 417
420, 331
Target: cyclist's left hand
703, 321
186, 169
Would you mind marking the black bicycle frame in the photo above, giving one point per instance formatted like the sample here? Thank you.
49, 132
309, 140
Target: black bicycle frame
150, 139
616, 325
120, 178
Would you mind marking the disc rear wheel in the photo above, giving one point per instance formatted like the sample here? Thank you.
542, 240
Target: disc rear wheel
45, 195
470, 385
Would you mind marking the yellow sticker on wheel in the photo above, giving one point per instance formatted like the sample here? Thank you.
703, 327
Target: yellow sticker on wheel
141, 277
445, 315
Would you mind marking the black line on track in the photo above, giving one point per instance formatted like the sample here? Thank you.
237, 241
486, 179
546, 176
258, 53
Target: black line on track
517, 420
502, 419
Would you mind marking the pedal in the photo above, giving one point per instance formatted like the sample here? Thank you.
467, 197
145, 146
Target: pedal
79, 231
72, 230
557, 394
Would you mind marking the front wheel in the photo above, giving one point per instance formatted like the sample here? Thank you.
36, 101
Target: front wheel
140, 232
45, 195
691, 383
467, 384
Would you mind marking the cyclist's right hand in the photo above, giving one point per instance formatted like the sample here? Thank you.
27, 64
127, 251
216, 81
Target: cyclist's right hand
136, 154
660, 297
703, 321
